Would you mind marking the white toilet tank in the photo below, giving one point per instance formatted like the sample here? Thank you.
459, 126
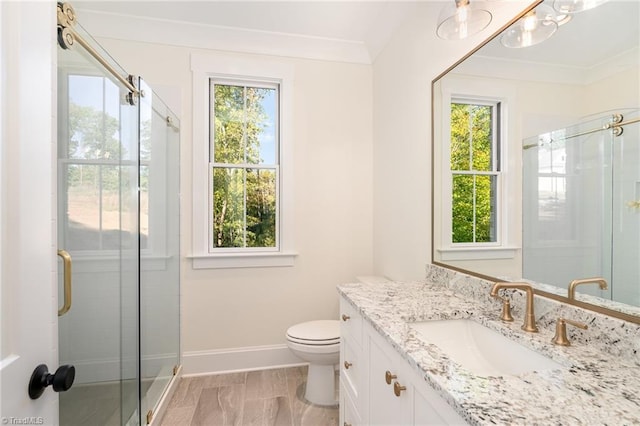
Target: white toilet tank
372, 279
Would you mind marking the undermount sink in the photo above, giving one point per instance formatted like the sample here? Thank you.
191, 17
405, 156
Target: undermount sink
481, 350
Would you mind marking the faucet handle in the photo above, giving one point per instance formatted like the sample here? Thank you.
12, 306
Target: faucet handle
506, 309
561, 338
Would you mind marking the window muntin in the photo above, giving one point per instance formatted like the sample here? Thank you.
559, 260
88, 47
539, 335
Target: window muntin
244, 165
475, 171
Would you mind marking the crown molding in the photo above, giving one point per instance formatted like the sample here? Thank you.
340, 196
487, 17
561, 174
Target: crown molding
201, 36
486, 66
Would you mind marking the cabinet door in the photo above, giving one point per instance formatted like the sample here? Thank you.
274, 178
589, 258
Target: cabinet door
385, 408
430, 409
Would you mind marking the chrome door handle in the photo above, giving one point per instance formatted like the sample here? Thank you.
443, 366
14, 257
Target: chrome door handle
66, 262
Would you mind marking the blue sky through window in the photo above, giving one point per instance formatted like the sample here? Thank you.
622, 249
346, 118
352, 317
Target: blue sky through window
268, 136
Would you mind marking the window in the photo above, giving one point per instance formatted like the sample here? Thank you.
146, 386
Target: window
475, 170
244, 165
479, 192
242, 162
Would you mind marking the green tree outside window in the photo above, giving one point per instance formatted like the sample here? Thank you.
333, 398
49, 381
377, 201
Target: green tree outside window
244, 166
474, 177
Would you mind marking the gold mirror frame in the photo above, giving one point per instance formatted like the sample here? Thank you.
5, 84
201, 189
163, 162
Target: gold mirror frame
595, 308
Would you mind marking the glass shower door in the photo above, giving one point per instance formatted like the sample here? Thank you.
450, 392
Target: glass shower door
159, 248
97, 193
626, 212
567, 192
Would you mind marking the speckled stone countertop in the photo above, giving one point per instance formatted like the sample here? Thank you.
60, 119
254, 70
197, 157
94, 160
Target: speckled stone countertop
599, 383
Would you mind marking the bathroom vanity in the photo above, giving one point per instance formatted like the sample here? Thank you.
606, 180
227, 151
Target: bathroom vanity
391, 373
378, 386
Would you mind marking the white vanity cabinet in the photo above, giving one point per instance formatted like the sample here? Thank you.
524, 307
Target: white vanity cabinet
352, 368
378, 386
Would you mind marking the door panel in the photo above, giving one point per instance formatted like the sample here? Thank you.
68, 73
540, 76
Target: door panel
27, 253
98, 226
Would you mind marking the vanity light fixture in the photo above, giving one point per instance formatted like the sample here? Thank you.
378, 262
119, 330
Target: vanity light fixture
462, 22
535, 27
575, 6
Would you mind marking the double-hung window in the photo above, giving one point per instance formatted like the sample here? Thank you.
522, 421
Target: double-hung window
475, 184
242, 162
475, 171
244, 165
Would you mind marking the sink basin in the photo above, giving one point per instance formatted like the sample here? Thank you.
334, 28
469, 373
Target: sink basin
481, 350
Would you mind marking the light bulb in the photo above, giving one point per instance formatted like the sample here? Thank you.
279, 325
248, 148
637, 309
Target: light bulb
462, 13
530, 21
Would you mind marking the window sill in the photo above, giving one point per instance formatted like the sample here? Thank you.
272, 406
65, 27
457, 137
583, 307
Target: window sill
478, 253
242, 260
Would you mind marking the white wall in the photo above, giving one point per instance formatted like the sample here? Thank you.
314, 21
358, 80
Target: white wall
338, 108
402, 76
332, 135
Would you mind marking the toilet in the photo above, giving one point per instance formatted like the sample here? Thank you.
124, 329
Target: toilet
318, 343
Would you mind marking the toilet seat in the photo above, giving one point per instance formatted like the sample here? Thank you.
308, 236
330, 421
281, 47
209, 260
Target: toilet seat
315, 333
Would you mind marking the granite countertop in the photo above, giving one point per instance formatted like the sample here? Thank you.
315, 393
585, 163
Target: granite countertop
594, 387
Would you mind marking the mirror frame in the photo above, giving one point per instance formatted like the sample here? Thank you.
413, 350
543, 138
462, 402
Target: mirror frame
589, 306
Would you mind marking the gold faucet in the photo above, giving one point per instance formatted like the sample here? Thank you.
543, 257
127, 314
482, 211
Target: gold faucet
529, 317
597, 280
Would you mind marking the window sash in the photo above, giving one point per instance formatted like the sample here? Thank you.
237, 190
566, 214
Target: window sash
245, 83
211, 232
494, 171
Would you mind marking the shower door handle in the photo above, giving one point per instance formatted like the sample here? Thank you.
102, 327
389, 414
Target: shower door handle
66, 262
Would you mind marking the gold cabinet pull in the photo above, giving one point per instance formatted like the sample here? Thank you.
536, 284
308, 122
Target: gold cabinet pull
388, 377
345, 317
347, 365
397, 388
66, 263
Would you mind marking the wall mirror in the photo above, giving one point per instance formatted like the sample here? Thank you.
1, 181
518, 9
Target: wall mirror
536, 154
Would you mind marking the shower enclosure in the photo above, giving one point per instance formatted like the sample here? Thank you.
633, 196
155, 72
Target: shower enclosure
581, 205
118, 221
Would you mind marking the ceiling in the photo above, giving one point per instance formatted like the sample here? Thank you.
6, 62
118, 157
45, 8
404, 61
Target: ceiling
370, 23
360, 26
591, 38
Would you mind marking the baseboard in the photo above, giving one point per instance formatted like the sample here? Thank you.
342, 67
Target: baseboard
106, 370
238, 359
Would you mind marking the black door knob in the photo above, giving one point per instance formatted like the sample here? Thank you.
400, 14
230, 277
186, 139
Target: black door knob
61, 380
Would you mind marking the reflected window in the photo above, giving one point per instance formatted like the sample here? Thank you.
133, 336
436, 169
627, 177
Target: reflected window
244, 165
91, 170
553, 216
475, 171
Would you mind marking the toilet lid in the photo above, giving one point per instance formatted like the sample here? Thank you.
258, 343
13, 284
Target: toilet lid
322, 332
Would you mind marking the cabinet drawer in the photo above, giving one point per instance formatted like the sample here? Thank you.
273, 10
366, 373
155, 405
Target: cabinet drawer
351, 367
350, 415
350, 322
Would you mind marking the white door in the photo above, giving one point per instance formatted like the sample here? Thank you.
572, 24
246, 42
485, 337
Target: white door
27, 221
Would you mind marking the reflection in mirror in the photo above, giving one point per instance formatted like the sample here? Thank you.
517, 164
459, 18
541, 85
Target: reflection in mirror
580, 190
548, 192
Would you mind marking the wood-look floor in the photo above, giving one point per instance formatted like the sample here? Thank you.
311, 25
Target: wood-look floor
255, 398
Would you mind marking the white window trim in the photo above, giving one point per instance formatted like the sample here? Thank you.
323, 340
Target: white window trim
470, 89
204, 67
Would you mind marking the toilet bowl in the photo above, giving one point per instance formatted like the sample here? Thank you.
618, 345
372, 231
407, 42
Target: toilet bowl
318, 343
